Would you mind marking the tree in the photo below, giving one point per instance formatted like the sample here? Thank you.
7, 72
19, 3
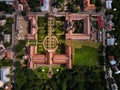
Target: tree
19, 47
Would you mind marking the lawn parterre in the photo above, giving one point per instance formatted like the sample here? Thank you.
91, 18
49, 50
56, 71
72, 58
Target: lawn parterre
42, 72
59, 33
57, 69
40, 49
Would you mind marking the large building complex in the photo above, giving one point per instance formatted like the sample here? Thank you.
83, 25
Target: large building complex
86, 32
50, 58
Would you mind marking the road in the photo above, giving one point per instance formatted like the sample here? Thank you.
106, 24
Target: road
14, 42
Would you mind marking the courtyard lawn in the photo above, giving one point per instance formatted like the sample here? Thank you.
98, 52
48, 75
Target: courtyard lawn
41, 21
61, 48
40, 49
57, 69
42, 72
59, 27
86, 55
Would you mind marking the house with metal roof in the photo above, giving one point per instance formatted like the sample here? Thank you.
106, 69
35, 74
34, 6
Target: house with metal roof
3, 74
109, 4
45, 6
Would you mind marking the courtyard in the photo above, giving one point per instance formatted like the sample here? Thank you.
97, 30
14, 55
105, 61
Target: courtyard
43, 35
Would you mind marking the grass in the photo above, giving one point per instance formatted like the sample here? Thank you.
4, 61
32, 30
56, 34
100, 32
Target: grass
61, 48
59, 27
84, 52
55, 68
40, 49
41, 21
32, 42
42, 74
86, 55
79, 43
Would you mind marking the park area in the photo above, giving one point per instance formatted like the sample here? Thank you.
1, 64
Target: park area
42, 72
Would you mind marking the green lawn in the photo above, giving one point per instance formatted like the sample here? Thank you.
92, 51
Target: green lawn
59, 27
40, 49
32, 42
61, 48
79, 43
86, 55
42, 72
57, 69
41, 21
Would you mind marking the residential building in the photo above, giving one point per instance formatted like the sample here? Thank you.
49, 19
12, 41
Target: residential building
3, 74
110, 41
20, 7
2, 22
70, 29
114, 64
110, 25
88, 5
8, 15
45, 6
6, 38
9, 54
109, 4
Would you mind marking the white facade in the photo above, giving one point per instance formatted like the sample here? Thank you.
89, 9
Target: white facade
45, 6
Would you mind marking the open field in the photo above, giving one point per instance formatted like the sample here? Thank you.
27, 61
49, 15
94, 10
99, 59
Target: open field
84, 52
86, 56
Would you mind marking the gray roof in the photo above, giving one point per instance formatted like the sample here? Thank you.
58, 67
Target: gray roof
110, 41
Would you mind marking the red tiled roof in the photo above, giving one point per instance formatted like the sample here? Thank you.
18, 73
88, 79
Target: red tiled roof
60, 57
9, 55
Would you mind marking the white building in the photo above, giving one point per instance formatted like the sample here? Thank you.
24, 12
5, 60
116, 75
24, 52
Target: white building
45, 6
6, 38
109, 4
20, 7
3, 74
110, 41
2, 22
